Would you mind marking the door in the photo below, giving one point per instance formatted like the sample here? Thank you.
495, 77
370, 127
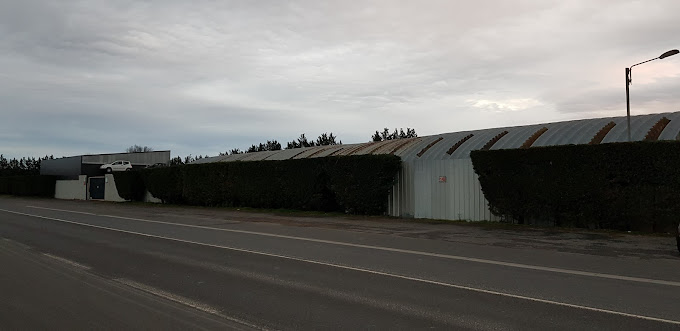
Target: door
97, 188
117, 166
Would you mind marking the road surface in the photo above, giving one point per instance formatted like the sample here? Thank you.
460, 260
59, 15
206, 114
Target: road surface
86, 265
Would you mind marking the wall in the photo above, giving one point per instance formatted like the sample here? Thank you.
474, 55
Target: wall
66, 167
150, 198
147, 158
420, 193
110, 190
71, 189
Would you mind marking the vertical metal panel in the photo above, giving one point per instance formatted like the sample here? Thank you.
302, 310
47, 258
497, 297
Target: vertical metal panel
423, 190
419, 193
142, 158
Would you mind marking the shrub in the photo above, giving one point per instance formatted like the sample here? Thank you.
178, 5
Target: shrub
130, 185
625, 186
164, 183
362, 184
358, 184
35, 185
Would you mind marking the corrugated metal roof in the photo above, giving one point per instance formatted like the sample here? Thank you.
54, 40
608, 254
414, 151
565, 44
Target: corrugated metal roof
560, 133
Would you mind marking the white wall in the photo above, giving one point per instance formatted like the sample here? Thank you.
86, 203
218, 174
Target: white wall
110, 190
71, 189
150, 198
419, 193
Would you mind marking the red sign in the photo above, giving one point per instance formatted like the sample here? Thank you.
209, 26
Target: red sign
442, 179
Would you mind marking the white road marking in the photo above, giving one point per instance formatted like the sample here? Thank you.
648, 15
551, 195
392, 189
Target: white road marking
67, 261
64, 210
20, 244
183, 300
427, 281
406, 251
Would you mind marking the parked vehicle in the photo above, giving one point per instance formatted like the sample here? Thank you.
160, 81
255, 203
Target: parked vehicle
156, 165
116, 166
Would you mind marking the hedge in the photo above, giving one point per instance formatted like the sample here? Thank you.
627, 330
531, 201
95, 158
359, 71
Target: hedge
355, 184
35, 185
164, 183
624, 186
129, 185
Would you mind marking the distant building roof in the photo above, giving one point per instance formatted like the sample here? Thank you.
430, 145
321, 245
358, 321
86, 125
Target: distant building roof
457, 145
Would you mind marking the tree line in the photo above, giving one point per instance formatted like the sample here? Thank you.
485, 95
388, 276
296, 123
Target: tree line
324, 139
21, 167
31, 165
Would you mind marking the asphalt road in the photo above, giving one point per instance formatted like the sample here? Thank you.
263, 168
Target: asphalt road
89, 266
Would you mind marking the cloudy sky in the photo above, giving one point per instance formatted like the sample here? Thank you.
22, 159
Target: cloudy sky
202, 77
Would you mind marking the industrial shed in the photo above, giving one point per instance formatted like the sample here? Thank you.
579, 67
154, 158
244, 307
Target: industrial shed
73, 166
437, 179
81, 179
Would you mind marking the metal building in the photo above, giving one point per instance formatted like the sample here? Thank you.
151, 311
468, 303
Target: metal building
72, 167
437, 180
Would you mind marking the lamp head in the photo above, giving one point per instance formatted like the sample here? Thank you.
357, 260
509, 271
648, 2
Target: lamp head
669, 53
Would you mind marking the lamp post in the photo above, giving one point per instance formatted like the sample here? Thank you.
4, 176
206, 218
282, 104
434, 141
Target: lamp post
629, 80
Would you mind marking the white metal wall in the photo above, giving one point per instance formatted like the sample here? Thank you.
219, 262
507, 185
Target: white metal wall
419, 192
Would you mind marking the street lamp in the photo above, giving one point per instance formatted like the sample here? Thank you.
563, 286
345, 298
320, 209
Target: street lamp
629, 80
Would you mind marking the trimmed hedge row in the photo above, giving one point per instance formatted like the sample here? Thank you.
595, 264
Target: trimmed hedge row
129, 185
355, 184
164, 183
624, 186
34, 185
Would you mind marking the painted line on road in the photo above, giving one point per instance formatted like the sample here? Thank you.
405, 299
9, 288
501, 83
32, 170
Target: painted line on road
427, 281
67, 261
399, 250
184, 301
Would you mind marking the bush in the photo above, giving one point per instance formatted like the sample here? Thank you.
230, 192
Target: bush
164, 183
624, 186
362, 184
130, 185
357, 184
36, 185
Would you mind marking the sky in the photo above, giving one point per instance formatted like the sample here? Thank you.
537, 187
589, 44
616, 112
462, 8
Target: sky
202, 77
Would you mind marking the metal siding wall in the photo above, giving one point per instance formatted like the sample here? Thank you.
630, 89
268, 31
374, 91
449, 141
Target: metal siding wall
418, 192
459, 196
147, 158
672, 129
423, 190
409, 195
65, 167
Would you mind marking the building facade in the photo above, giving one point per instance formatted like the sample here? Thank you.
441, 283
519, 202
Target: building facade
437, 179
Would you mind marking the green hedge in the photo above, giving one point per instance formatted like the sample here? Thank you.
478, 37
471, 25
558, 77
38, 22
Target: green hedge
354, 184
624, 186
35, 185
130, 185
164, 183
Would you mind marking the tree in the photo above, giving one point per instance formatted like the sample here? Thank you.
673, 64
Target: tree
376, 137
271, 145
326, 139
138, 149
177, 160
301, 142
23, 166
397, 134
